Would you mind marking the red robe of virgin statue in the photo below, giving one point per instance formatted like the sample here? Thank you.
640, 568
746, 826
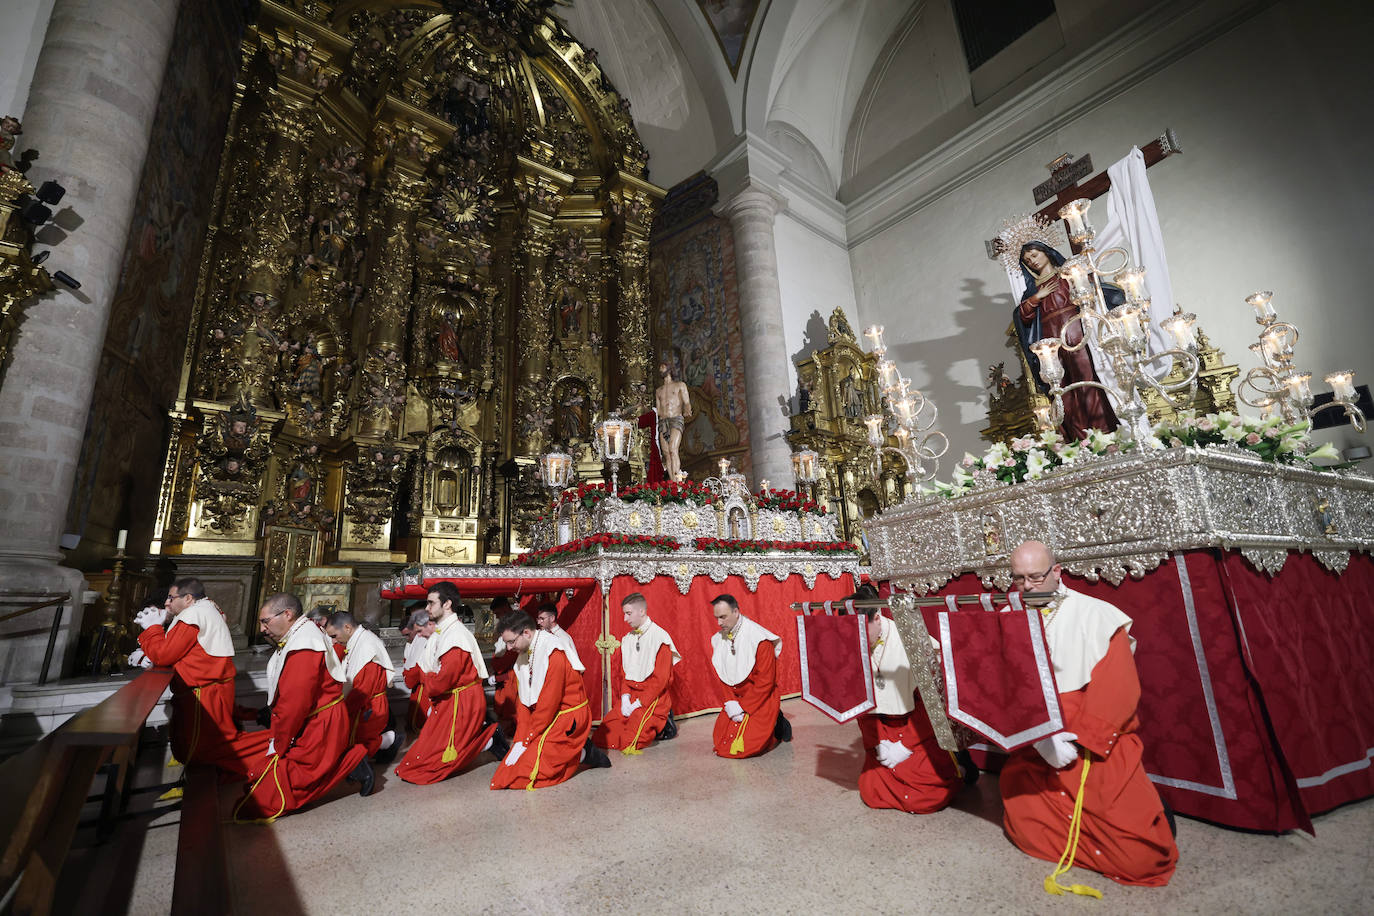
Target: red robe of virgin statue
1124, 833
1086, 408
451, 673
203, 729
306, 752
552, 722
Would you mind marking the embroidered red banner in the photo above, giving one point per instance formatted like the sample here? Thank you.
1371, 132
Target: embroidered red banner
998, 678
835, 671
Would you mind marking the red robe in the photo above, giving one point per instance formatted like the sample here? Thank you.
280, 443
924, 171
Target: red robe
203, 728
418, 707
923, 783
1084, 408
506, 700
309, 732
638, 731
369, 692
1124, 833
454, 732
554, 731
760, 697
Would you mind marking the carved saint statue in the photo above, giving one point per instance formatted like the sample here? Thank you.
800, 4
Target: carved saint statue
1045, 310
674, 410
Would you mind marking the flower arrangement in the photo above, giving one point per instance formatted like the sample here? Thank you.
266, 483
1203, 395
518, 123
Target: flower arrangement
589, 544
662, 493
1032, 457
728, 545
787, 500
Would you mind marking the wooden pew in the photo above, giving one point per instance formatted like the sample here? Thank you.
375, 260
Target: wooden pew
201, 886
45, 788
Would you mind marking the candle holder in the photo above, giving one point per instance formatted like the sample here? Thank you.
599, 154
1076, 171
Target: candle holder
556, 471
1121, 334
1275, 386
614, 437
909, 414
806, 471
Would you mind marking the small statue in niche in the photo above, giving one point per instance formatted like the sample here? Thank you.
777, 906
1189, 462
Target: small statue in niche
851, 390
572, 417
300, 484
569, 308
449, 339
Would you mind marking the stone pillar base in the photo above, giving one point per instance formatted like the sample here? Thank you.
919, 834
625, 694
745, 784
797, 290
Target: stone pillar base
24, 640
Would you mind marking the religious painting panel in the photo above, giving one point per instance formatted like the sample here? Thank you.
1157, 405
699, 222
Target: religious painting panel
694, 310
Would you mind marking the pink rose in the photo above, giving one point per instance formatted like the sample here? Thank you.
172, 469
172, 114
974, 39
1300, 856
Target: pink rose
1252, 439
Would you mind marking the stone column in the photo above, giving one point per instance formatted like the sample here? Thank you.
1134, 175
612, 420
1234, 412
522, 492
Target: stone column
751, 214
90, 112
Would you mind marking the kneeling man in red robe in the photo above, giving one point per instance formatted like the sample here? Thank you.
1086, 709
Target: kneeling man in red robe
1122, 829
305, 751
904, 767
197, 646
745, 657
367, 670
451, 672
644, 677
417, 708
553, 719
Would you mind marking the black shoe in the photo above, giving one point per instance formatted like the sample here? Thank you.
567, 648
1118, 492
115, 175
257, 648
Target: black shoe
782, 730
669, 730
362, 774
500, 745
388, 754
969, 770
595, 757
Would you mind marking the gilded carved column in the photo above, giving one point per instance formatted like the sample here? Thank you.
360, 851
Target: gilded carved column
633, 200
751, 213
539, 194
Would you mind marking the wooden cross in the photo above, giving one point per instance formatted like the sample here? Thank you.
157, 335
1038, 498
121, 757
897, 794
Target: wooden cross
1063, 185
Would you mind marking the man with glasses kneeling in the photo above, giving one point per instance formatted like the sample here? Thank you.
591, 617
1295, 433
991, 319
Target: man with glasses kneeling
1120, 828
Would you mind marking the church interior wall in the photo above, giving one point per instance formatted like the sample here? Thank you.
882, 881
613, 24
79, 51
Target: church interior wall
26, 21
1267, 195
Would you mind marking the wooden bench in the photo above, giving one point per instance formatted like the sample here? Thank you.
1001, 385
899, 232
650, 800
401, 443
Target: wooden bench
45, 787
201, 885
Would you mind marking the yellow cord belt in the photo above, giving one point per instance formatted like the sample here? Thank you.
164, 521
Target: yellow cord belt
1052, 885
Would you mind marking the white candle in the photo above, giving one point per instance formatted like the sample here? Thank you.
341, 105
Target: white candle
122, 539
1343, 384
1259, 301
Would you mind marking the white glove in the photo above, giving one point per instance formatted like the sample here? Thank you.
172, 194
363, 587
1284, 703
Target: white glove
892, 753
137, 659
1058, 749
625, 707
492, 680
516, 750
150, 616
271, 746
734, 710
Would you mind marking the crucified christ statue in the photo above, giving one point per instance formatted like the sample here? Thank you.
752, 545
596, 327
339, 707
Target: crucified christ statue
674, 410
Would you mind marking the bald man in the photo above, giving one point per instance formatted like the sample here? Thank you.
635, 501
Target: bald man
306, 751
1124, 832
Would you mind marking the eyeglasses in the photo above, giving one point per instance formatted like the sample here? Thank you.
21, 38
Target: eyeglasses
1040, 577
262, 621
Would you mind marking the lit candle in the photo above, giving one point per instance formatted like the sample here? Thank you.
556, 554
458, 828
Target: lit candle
1046, 349
1180, 327
874, 422
1042, 417
1267, 409
1343, 384
903, 435
874, 332
904, 409
1079, 277
1075, 213
1277, 344
724, 467
903, 387
763, 485
1132, 283
1261, 353
124, 537
1129, 316
1264, 311
887, 375
1300, 387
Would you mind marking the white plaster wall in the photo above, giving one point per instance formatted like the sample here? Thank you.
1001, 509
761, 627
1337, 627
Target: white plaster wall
26, 21
1272, 191
814, 277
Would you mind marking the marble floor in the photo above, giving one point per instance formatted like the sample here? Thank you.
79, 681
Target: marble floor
679, 831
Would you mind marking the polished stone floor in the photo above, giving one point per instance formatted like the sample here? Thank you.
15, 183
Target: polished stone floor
680, 831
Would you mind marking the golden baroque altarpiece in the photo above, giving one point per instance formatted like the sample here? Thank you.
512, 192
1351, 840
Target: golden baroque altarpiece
427, 265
